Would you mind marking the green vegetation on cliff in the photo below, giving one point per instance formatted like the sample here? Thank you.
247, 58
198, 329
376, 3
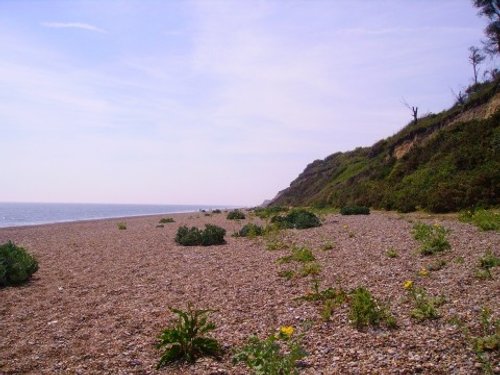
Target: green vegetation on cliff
444, 162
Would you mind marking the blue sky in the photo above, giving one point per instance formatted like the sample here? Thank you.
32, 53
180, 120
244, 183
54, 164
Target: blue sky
213, 102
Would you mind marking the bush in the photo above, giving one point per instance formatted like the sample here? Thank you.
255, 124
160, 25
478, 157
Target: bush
216, 211
211, 235
365, 310
235, 215
299, 254
16, 264
251, 230
167, 220
185, 340
425, 306
483, 219
432, 237
298, 218
354, 210
121, 226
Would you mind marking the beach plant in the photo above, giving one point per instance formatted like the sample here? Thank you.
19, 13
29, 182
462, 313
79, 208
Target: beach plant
235, 215
287, 274
432, 238
483, 219
160, 226
327, 245
216, 211
121, 225
391, 253
276, 355
166, 220
310, 269
267, 212
355, 210
299, 254
251, 230
186, 339
366, 311
437, 265
298, 219
211, 235
425, 306
488, 261
16, 264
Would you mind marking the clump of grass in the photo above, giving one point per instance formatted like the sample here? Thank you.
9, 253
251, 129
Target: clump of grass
251, 230
299, 254
160, 226
267, 212
366, 311
483, 219
328, 245
276, 355
432, 238
235, 215
459, 260
16, 264
211, 235
425, 306
355, 210
488, 261
186, 339
391, 253
287, 274
121, 225
437, 265
166, 220
298, 219
310, 269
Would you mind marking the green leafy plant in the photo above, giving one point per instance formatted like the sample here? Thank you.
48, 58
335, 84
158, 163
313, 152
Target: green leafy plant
355, 210
328, 245
121, 225
425, 306
437, 265
488, 261
267, 212
166, 220
483, 219
251, 230
16, 264
432, 238
365, 310
391, 253
298, 219
216, 211
287, 274
310, 269
186, 339
235, 215
276, 355
211, 235
299, 254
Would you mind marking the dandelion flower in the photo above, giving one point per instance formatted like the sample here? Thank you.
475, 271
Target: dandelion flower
287, 330
423, 272
408, 284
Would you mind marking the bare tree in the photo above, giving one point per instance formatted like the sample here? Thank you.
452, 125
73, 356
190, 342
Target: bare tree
460, 97
475, 59
414, 111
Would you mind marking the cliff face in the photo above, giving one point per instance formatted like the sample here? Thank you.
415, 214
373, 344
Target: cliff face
444, 162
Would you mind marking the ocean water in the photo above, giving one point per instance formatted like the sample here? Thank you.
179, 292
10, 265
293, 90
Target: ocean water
20, 214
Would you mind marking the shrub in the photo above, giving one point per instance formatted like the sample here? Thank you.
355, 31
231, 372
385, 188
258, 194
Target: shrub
299, 254
432, 237
328, 245
235, 215
267, 212
216, 211
121, 226
483, 219
366, 310
425, 306
251, 230
355, 210
310, 269
488, 261
186, 340
16, 264
391, 253
287, 274
267, 357
211, 235
297, 218
167, 220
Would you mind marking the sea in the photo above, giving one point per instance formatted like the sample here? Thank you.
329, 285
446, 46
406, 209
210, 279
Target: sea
21, 214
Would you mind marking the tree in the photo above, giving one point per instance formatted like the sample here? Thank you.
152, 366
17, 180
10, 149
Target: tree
491, 10
414, 111
475, 59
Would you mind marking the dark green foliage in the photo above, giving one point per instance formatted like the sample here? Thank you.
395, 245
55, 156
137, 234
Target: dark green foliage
267, 212
449, 166
185, 340
235, 215
367, 311
432, 238
251, 230
167, 220
211, 235
216, 211
355, 210
297, 218
483, 219
16, 265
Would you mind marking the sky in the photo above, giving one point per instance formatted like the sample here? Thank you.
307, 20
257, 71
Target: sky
212, 102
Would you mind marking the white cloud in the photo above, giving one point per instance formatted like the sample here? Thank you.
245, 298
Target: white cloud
73, 25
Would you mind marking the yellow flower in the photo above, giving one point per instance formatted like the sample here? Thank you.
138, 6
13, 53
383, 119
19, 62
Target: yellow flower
408, 284
287, 330
423, 272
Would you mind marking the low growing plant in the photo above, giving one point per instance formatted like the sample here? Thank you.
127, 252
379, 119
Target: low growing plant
276, 355
186, 339
299, 254
298, 219
251, 230
391, 253
355, 210
166, 220
483, 219
365, 310
235, 215
328, 245
432, 238
287, 274
16, 264
121, 225
211, 235
488, 261
310, 269
425, 306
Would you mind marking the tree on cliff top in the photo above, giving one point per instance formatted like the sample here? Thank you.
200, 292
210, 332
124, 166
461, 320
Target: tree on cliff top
491, 10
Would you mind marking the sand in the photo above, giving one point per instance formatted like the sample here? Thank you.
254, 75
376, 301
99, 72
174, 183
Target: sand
101, 296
